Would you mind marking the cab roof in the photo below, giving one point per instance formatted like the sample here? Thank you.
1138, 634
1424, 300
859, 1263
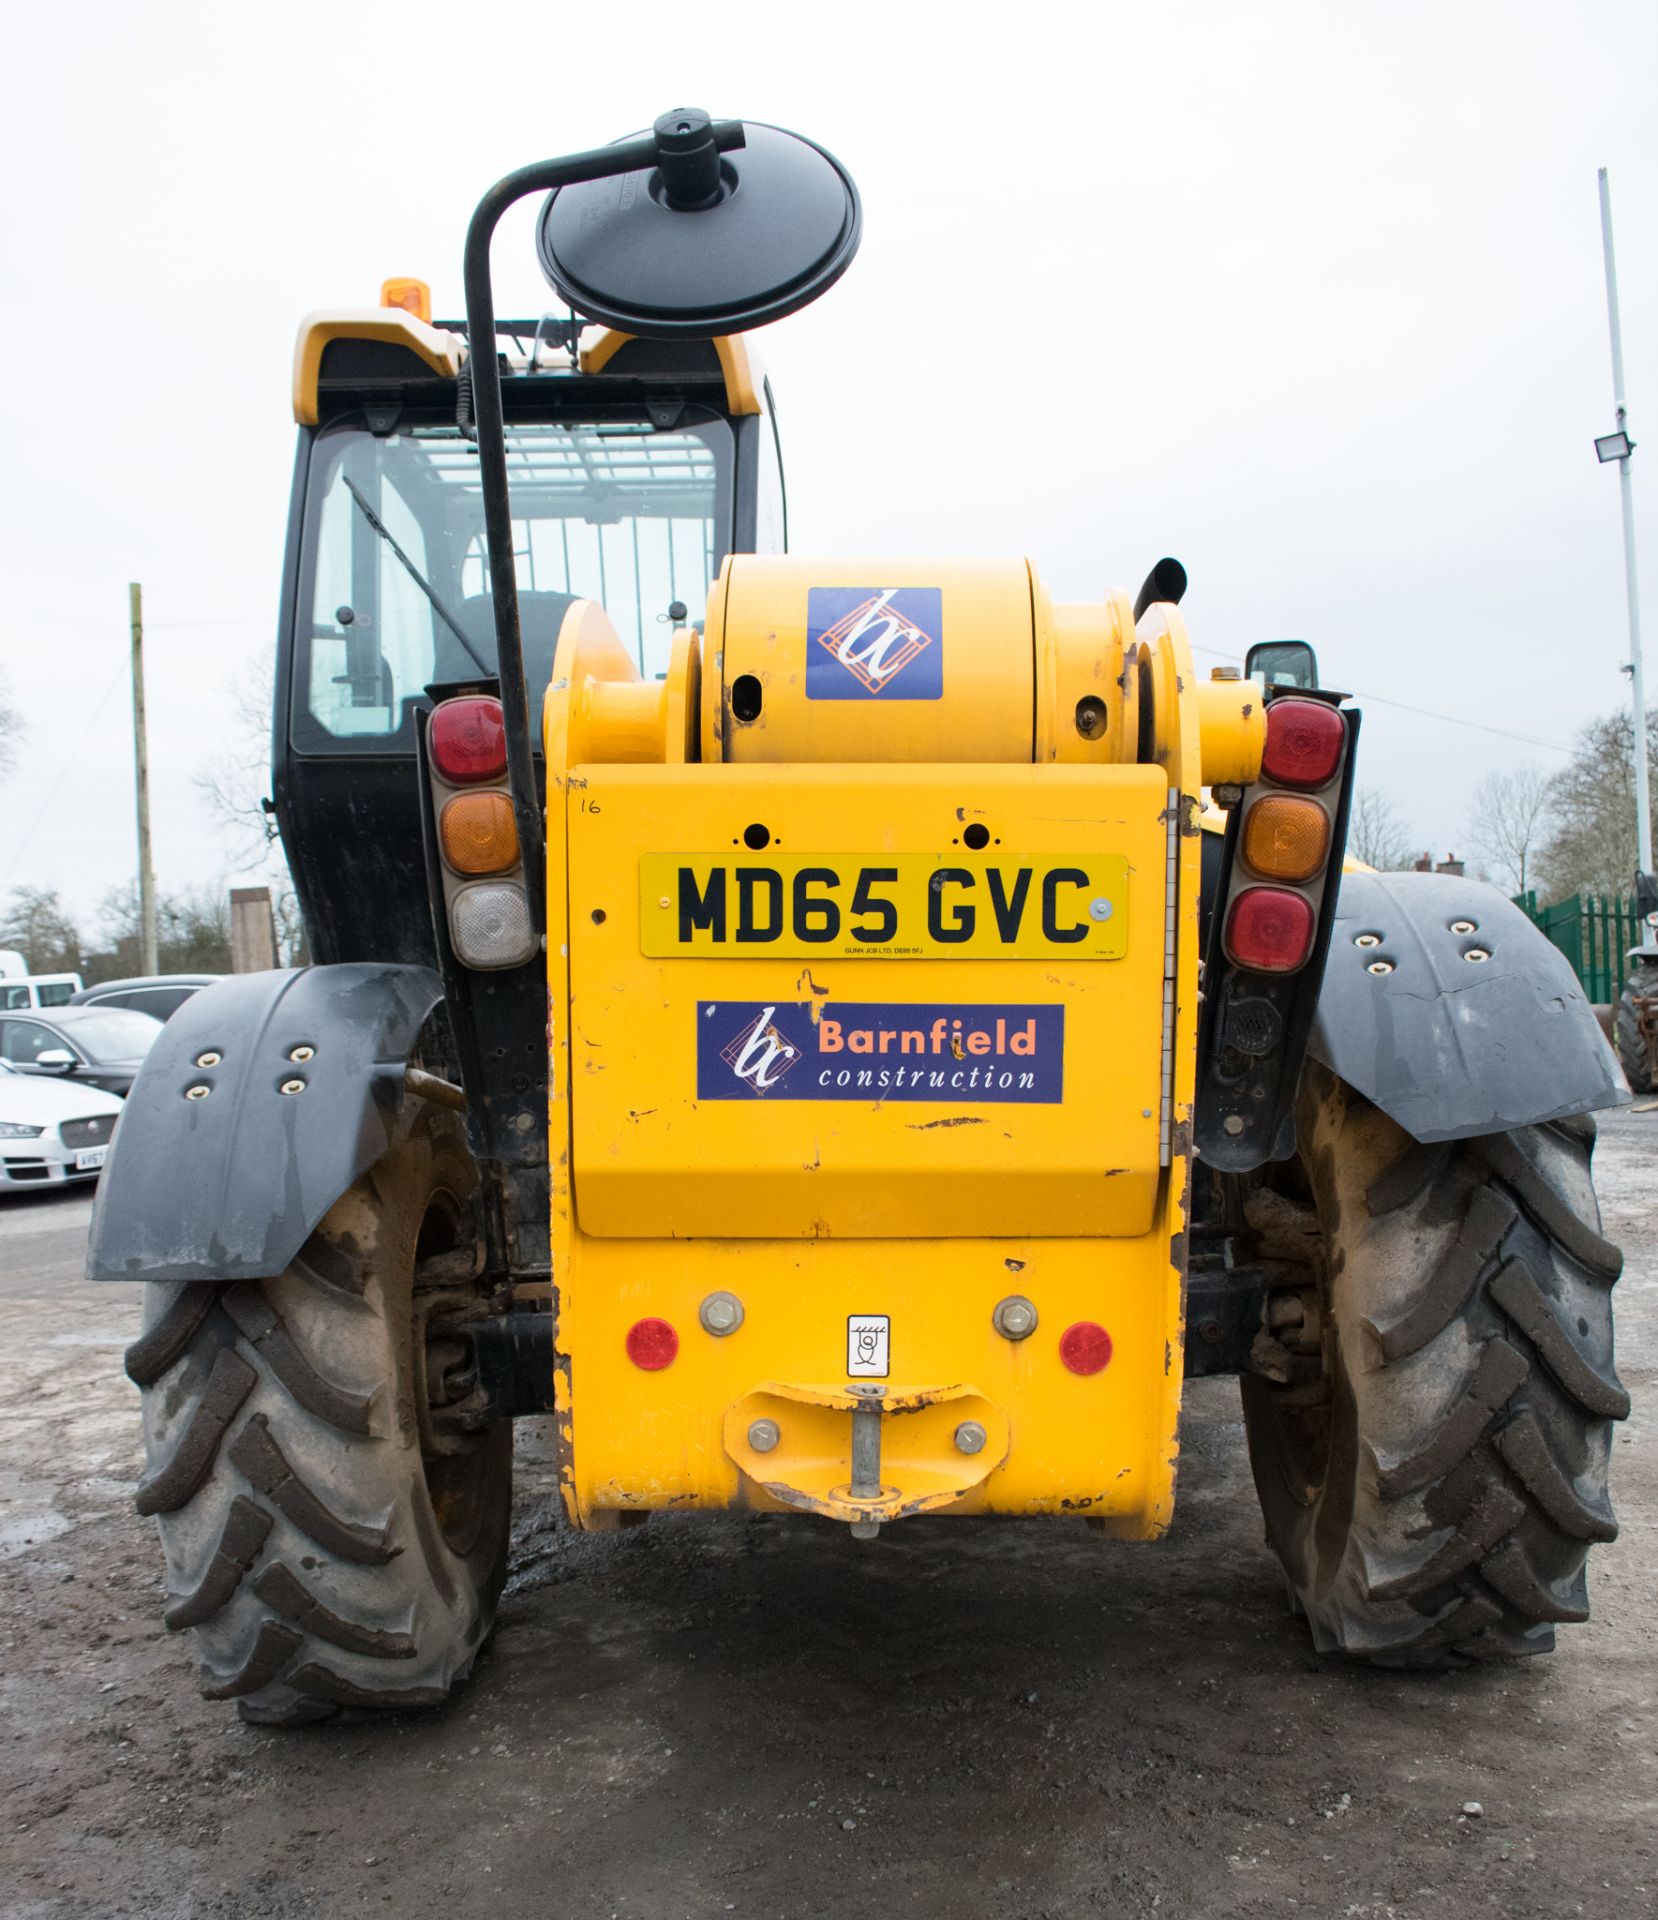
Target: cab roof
359, 356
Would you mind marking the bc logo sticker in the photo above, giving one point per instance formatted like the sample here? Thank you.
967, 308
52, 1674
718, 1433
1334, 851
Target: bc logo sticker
749, 1050
862, 642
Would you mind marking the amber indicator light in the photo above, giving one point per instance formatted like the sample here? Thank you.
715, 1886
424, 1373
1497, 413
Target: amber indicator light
478, 833
1285, 837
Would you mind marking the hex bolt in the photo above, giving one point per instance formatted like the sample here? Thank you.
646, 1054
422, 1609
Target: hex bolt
1015, 1317
302, 1053
292, 1086
763, 1435
970, 1437
720, 1314
1234, 1124
197, 1092
1099, 908
866, 1529
209, 1058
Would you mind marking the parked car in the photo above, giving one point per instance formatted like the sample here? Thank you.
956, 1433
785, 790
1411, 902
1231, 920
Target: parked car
85, 1046
51, 1133
159, 993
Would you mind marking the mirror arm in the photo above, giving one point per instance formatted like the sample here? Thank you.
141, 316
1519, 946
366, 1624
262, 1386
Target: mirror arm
484, 369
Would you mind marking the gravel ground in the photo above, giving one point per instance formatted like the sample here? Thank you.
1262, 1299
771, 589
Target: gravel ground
761, 1717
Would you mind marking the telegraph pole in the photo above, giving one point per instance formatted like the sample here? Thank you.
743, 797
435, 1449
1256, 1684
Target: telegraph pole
1618, 446
150, 959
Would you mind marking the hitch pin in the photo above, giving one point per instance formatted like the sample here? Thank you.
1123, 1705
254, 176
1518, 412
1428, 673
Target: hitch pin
866, 1459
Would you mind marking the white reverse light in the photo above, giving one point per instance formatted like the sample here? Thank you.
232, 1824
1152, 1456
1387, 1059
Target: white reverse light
490, 926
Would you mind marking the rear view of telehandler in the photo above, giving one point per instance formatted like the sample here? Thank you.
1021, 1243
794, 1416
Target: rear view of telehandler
788, 1019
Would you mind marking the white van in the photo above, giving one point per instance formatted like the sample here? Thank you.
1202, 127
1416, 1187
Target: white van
17, 994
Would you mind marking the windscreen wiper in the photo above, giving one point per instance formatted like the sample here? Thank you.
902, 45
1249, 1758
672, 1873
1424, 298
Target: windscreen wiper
416, 576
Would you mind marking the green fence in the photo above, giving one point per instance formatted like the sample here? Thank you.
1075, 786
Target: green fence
1594, 931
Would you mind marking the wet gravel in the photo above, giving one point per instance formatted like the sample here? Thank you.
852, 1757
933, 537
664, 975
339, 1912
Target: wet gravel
762, 1717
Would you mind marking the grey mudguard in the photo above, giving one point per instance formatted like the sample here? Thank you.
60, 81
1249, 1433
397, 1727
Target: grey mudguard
229, 1185
1446, 1045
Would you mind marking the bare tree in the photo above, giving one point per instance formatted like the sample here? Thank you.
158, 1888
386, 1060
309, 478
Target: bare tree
13, 728
1375, 832
193, 931
1510, 820
235, 780
36, 923
1592, 846
234, 783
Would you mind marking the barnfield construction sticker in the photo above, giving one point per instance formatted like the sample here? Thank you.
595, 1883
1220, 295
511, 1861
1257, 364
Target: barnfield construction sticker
854, 1050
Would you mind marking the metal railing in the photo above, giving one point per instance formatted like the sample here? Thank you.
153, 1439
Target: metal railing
1594, 931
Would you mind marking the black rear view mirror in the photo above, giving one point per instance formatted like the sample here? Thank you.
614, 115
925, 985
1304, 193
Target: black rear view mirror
1282, 663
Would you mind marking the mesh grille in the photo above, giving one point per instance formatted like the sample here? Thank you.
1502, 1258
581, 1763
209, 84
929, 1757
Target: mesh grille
87, 1133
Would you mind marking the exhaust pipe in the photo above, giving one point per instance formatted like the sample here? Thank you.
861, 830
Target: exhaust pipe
1166, 581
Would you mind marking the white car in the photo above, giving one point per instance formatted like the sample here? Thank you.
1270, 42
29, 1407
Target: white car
51, 1132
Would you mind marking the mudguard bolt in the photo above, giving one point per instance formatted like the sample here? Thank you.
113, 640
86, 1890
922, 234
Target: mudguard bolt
970, 1437
763, 1435
1234, 1124
720, 1314
292, 1086
303, 1053
1015, 1317
197, 1092
208, 1059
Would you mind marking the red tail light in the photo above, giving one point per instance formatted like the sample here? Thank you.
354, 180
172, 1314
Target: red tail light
1269, 930
1304, 743
469, 740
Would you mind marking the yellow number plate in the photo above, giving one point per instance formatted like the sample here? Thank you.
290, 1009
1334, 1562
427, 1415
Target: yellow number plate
890, 906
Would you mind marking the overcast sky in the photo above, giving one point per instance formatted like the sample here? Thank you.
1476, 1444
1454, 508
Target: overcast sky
1308, 296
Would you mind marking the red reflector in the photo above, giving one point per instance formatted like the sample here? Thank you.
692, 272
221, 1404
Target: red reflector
652, 1344
1304, 743
1269, 930
469, 740
1085, 1348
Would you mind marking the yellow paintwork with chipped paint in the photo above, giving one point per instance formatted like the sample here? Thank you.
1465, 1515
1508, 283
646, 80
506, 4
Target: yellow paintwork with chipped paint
814, 1211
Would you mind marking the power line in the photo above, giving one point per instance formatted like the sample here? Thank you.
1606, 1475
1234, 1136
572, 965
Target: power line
152, 625
63, 773
1427, 713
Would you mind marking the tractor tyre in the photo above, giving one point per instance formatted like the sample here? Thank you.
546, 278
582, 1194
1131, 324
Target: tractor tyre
1432, 1457
331, 1546
1634, 1054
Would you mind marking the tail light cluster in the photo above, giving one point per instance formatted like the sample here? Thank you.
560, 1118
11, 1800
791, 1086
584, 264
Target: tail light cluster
1285, 838
487, 901
1270, 929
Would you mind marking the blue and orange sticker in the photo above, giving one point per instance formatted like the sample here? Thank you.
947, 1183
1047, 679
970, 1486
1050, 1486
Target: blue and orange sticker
866, 643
